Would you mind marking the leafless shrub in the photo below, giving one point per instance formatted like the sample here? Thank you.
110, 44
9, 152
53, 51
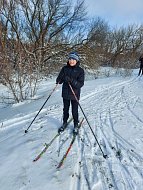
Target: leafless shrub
36, 36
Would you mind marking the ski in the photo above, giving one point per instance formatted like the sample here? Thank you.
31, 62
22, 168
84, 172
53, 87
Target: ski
49, 144
69, 148
46, 147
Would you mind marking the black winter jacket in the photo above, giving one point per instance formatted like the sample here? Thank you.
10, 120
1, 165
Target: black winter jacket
76, 73
141, 62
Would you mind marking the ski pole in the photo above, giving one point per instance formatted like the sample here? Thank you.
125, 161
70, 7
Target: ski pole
41, 107
105, 156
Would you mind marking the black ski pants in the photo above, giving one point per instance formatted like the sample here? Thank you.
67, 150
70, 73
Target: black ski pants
141, 70
74, 106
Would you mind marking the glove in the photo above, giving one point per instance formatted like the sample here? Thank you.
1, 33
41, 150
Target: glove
68, 79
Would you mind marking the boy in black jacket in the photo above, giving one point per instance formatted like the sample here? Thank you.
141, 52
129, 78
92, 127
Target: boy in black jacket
71, 74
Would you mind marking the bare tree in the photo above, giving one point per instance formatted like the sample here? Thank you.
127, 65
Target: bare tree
37, 31
96, 44
124, 44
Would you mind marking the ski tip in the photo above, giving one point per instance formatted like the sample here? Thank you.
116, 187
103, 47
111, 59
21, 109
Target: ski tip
59, 166
37, 158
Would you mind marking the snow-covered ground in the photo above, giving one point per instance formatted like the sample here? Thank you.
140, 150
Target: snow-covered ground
114, 108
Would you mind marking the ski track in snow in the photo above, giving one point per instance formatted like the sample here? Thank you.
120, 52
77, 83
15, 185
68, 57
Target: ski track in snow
114, 175
109, 108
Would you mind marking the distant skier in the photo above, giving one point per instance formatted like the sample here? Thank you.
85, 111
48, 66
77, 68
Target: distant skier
141, 65
71, 74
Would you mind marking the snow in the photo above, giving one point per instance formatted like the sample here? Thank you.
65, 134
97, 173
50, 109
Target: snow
114, 108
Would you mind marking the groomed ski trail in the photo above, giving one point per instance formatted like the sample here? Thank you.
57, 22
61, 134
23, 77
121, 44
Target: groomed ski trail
110, 108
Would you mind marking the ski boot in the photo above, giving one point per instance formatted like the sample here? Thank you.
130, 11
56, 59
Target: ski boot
76, 129
62, 128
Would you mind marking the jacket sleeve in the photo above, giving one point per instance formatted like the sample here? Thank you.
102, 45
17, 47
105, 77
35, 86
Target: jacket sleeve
79, 82
60, 78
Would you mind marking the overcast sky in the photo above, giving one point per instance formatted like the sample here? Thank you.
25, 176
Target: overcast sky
117, 12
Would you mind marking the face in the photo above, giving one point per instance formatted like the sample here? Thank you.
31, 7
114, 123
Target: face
72, 62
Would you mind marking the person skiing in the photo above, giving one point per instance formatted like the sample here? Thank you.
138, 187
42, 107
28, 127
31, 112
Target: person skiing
141, 66
71, 74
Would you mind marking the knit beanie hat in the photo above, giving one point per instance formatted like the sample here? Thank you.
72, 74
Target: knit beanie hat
74, 55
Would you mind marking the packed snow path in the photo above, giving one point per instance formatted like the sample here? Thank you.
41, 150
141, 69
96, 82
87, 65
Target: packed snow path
114, 108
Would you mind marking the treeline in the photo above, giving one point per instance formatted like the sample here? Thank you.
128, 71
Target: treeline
36, 36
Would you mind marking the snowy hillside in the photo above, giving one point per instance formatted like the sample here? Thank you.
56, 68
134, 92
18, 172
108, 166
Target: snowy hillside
114, 108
